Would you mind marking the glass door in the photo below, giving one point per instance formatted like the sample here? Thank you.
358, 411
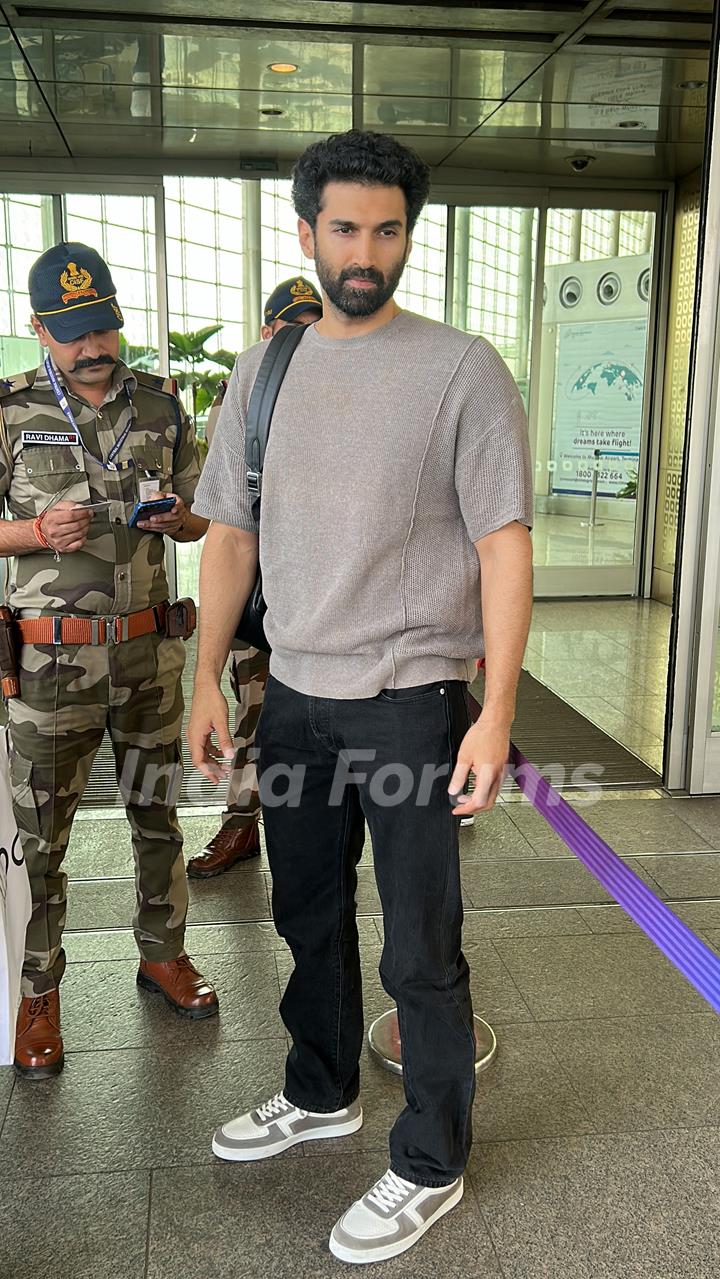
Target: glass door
591, 411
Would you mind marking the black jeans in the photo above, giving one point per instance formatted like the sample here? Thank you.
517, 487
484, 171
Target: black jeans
386, 760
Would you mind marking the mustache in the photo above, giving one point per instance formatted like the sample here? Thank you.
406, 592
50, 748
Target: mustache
366, 273
92, 364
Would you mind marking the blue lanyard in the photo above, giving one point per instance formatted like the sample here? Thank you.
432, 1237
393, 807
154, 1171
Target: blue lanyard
60, 396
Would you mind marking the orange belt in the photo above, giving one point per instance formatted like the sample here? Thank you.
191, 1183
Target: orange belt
92, 630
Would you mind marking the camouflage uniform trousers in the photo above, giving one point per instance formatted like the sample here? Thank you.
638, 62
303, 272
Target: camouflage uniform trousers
248, 678
69, 696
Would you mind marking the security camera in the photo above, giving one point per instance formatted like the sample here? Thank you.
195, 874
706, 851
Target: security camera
579, 163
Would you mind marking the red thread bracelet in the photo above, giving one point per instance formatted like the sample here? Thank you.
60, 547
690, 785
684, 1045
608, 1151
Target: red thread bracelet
40, 536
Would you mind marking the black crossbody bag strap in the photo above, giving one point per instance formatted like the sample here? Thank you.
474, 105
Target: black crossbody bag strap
251, 628
268, 380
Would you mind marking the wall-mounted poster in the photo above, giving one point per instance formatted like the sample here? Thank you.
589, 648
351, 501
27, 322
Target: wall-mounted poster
598, 404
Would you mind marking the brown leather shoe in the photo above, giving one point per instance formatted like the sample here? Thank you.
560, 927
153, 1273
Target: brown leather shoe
227, 848
181, 986
38, 1042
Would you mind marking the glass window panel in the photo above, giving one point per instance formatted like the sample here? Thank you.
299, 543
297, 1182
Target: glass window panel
280, 249
229, 199
20, 262
86, 232
126, 247
128, 211
422, 287
205, 267
26, 229
84, 206
200, 264
494, 275
122, 229
230, 269
591, 374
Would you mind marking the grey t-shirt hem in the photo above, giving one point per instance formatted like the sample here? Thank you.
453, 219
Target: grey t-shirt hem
341, 679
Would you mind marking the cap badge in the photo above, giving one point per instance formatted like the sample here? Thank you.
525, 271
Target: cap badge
76, 281
301, 289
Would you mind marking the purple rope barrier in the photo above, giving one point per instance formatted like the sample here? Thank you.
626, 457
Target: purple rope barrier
696, 961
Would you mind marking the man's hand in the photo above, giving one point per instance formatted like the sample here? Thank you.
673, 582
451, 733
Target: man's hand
209, 714
65, 525
484, 750
171, 522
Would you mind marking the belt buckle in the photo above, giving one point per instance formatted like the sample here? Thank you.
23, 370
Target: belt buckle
110, 632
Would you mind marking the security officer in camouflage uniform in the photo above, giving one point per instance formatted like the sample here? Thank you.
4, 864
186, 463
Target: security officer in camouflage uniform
295, 301
82, 438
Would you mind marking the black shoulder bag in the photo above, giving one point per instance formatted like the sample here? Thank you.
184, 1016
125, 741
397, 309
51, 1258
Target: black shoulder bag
251, 627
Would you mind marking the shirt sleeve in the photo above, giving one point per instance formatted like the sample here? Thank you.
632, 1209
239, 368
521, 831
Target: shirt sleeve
222, 493
186, 462
215, 407
493, 472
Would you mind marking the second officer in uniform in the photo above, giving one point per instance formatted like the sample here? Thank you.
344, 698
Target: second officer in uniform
82, 439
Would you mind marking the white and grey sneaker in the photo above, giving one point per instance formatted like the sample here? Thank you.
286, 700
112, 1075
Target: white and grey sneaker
390, 1218
277, 1125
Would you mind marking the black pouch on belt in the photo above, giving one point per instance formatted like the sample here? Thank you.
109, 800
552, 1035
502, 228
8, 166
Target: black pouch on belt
181, 619
9, 644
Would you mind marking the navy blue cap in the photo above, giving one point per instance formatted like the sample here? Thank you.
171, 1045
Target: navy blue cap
291, 298
72, 292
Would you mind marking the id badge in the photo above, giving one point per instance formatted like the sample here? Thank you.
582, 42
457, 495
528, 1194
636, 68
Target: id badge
147, 485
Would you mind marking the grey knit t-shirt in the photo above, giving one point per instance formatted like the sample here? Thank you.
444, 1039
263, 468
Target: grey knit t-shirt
389, 455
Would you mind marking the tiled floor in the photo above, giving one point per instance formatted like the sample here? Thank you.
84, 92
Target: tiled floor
609, 659
596, 1130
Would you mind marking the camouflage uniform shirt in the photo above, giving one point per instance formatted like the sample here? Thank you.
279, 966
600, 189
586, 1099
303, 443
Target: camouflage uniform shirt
119, 569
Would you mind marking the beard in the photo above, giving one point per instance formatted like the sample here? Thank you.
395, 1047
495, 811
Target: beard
358, 302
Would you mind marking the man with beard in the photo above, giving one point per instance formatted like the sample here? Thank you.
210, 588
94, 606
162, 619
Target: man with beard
82, 438
396, 504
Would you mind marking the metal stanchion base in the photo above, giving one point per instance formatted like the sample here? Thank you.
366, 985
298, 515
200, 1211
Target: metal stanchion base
384, 1040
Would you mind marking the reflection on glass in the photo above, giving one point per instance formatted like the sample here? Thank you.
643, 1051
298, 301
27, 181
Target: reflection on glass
493, 281
225, 63
591, 385
492, 73
26, 226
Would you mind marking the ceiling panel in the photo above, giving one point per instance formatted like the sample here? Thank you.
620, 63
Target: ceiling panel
613, 78
543, 17
191, 78
38, 140
113, 56
626, 162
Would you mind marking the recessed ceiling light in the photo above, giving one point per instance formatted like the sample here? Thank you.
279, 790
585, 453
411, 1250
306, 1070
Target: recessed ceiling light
271, 111
630, 124
692, 84
283, 68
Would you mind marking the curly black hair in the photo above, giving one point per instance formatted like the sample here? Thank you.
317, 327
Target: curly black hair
373, 159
